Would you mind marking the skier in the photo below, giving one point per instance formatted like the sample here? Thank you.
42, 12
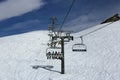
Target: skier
53, 55
48, 55
57, 55
61, 56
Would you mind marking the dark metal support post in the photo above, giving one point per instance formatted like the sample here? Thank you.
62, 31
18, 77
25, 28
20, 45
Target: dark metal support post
62, 59
62, 51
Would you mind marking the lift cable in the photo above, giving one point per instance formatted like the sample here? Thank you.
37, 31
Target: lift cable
68, 12
73, 1
95, 30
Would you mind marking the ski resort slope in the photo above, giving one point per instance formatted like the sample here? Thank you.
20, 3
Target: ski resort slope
19, 53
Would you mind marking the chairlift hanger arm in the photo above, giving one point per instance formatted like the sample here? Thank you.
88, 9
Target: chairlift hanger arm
65, 37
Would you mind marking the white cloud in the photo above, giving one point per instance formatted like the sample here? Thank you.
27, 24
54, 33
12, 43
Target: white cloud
12, 8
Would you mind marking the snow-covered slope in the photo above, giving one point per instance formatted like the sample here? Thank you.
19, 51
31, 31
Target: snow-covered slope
19, 53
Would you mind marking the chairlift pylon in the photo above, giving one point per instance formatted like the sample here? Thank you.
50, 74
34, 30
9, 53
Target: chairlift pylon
79, 47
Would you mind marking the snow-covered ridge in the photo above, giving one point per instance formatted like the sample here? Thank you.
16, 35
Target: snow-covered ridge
19, 53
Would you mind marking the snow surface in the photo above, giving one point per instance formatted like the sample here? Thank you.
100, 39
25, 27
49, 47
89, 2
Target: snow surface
19, 53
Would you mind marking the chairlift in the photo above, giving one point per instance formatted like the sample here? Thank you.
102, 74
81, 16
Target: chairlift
79, 47
54, 44
53, 53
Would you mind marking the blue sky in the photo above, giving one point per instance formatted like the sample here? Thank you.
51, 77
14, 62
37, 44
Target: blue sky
20, 16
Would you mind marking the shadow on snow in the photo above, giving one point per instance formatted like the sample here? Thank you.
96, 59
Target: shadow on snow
46, 67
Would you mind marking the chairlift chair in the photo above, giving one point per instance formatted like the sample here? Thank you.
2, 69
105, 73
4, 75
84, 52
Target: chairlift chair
50, 52
50, 49
79, 47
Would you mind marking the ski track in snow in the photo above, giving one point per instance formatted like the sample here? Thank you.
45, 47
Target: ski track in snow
19, 53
